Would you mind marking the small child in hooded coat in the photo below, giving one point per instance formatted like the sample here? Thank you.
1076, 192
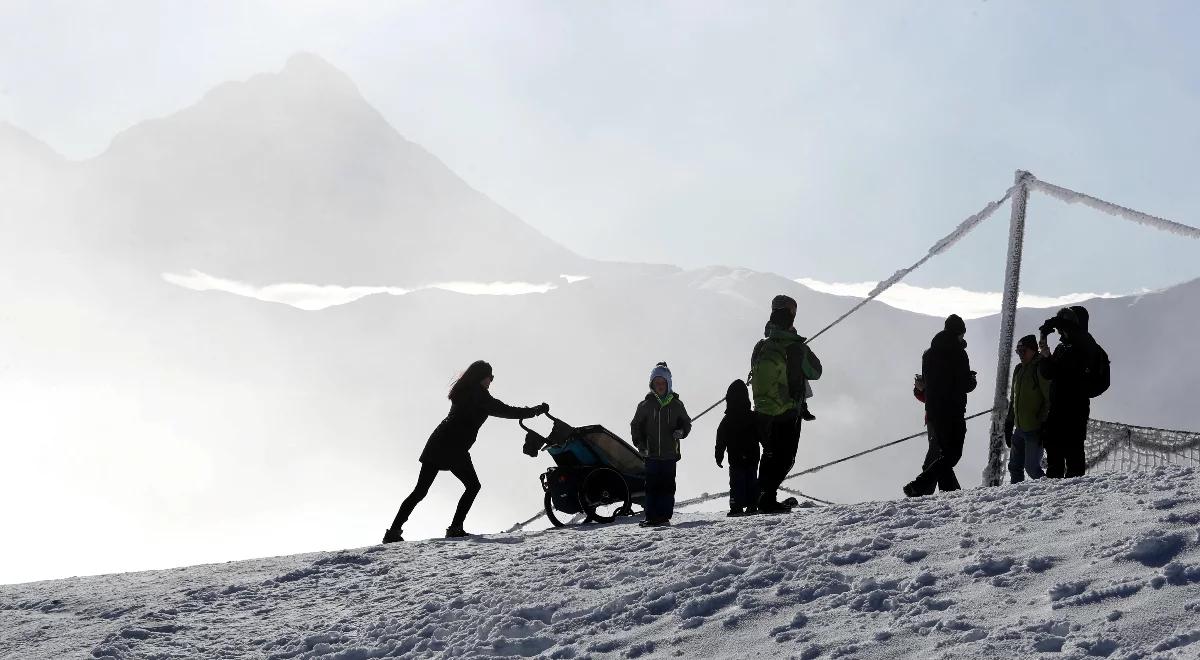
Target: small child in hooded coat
739, 435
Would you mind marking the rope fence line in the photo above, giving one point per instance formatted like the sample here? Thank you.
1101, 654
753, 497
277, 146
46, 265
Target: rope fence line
1103, 437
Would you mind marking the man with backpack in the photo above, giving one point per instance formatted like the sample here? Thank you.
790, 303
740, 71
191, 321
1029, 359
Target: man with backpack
780, 367
1078, 370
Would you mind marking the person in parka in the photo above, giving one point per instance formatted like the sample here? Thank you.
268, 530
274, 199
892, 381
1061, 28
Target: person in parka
1066, 425
947, 377
449, 446
739, 434
1028, 407
659, 423
781, 365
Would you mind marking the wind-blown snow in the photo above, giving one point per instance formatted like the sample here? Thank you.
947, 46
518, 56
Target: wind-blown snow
312, 297
943, 301
1100, 566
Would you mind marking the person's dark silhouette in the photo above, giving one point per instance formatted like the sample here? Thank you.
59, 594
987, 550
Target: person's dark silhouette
947, 378
449, 446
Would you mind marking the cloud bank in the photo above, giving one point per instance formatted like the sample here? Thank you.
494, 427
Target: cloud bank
313, 297
943, 301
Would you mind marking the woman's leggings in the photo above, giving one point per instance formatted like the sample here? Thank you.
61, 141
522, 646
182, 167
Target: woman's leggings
465, 471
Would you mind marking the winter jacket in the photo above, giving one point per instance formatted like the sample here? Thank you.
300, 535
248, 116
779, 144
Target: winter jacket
450, 443
1065, 370
776, 398
1029, 402
654, 424
948, 376
739, 432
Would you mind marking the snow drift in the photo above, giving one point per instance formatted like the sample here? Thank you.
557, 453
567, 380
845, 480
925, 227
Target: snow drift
1104, 566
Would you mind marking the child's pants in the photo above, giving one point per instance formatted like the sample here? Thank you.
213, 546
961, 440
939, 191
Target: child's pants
743, 485
660, 488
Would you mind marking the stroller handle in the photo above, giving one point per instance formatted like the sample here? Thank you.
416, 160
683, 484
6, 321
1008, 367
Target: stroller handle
552, 418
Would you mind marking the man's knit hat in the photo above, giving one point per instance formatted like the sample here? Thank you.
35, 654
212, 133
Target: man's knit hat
1028, 341
783, 302
661, 371
955, 325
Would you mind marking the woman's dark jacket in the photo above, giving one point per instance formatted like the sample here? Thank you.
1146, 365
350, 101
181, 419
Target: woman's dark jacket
450, 443
739, 432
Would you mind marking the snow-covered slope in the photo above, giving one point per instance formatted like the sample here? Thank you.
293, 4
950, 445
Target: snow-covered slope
1105, 565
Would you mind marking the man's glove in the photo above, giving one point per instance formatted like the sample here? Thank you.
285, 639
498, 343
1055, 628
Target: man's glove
677, 434
542, 409
719, 464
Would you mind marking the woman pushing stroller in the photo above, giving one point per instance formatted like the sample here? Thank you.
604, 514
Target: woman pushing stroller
449, 446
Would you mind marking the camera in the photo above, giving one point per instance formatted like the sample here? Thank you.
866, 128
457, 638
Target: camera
1048, 327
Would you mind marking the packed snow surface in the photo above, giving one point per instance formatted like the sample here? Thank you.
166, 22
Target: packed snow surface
1100, 566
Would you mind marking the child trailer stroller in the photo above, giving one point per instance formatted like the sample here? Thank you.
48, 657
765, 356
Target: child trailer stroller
596, 473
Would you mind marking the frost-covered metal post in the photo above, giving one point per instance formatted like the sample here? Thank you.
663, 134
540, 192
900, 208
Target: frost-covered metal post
993, 473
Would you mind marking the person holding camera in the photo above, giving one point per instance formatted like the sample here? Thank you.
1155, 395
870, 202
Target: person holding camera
1067, 370
946, 378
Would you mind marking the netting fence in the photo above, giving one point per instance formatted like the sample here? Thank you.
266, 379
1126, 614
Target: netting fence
1114, 447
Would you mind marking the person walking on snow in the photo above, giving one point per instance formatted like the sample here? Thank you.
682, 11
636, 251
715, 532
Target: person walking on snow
449, 446
1028, 406
739, 434
659, 423
780, 367
947, 377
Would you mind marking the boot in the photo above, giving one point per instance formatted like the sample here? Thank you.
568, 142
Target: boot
735, 512
393, 535
456, 533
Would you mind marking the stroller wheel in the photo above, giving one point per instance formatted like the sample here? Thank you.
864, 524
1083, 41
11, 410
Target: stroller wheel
603, 495
550, 514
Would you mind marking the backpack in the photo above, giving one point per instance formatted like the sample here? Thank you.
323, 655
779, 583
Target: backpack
1096, 377
769, 378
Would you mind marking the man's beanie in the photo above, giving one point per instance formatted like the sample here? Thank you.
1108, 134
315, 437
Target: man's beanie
1067, 314
783, 302
955, 325
1028, 341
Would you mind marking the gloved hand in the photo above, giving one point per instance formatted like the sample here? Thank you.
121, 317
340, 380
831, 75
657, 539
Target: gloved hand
677, 434
542, 409
720, 464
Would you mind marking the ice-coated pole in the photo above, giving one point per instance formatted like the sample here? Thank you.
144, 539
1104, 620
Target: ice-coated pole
993, 473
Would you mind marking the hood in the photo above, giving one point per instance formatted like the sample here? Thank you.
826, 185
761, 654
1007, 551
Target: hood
737, 397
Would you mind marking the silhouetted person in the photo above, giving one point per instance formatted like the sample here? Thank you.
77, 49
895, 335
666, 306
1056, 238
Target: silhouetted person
947, 377
659, 423
449, 446
740, 434
1028, 407
780, 366
1070, 407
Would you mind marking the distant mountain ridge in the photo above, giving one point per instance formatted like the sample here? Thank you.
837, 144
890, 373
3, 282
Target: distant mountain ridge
293, 176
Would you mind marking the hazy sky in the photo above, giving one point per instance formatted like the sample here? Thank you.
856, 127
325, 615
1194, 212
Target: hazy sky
827, 140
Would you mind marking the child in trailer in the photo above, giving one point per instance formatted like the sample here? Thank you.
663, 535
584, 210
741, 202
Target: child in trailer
739, 435
659, 423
